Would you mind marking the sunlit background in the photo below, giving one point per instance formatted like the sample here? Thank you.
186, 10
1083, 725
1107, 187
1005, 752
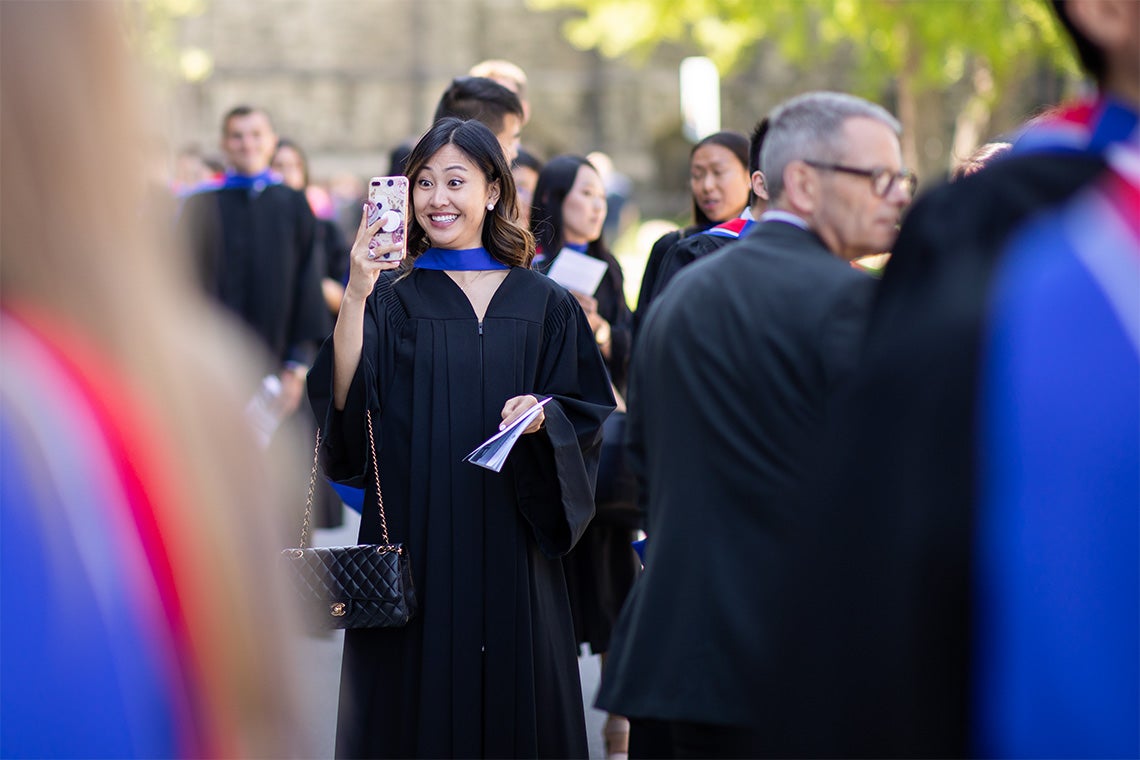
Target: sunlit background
637, 79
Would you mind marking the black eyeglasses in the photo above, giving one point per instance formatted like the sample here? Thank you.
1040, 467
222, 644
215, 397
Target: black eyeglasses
882, 180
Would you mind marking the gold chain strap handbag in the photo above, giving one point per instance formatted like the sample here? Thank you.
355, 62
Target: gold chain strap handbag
362, 586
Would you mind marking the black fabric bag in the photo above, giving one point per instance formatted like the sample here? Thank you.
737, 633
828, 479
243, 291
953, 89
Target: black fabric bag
361, 586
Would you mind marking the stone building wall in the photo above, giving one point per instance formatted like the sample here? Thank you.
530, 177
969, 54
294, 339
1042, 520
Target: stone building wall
350, 79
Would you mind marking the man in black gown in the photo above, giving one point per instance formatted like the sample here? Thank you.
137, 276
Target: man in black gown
728, 392
253, 241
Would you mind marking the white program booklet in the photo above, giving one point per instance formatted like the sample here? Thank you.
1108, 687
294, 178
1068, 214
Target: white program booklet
577, 271
492, 453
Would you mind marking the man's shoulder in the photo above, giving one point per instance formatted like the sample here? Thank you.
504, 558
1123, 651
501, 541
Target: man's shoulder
1004, 193
697, 246
782, 240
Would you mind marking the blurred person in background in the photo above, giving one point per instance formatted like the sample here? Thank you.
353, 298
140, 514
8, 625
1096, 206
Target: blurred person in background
694, 247
619, 189
569, 212
721, 189
138, 616
525, 169
254, 243
191, 171
397, 158
293, 165
255, 246
1056, 664
509, 75
487, 101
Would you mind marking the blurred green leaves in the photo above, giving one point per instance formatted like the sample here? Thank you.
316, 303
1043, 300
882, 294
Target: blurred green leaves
931, 42
152, 29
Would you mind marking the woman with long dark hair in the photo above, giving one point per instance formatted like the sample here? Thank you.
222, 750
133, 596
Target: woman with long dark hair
569, 211
721, 185
443, 349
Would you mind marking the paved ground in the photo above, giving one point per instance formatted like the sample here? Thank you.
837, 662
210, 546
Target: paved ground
321, 656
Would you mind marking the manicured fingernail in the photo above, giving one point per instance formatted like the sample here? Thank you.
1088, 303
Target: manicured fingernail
502, 425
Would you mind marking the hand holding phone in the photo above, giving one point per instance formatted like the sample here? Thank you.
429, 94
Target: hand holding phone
388, 204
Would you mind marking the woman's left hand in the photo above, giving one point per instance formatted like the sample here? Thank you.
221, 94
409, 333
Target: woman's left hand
516, 407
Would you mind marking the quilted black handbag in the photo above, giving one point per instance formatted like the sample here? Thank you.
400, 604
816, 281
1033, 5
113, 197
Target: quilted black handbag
363, 586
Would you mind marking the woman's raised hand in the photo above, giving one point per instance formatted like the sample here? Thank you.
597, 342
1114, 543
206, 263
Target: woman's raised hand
365, 263
515, 407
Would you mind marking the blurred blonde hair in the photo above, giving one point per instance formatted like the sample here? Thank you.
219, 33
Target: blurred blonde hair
77, 243
508, 74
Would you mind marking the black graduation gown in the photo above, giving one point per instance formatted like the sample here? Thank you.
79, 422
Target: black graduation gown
336, 250
683, 253
601, 569
728, 393
256, 252
488, 667
649, 275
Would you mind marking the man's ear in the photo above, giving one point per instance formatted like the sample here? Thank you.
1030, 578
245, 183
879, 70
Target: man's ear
801, 188
759, 185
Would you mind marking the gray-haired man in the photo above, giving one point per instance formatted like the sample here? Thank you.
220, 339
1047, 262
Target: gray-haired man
729, 389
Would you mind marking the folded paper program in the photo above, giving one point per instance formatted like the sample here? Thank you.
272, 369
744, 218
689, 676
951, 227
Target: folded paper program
577, 271
492, 453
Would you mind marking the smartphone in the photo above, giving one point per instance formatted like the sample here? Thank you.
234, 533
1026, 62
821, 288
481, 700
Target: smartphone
389, 204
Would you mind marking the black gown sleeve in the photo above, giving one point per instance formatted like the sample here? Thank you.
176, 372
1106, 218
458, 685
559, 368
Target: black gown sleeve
555, 470
199, 228
649, 276
681, 255
613, 308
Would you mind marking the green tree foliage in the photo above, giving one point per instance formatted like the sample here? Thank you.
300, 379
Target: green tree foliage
908, 47
152, 29
931, 40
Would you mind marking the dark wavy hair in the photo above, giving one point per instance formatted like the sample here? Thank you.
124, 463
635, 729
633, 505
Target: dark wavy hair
504, 238
554, 183
735, 142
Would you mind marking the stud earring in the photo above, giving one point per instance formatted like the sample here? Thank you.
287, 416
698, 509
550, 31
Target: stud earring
490, 206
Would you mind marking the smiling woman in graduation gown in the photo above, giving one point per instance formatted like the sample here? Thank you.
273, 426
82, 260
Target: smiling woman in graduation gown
488, 667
